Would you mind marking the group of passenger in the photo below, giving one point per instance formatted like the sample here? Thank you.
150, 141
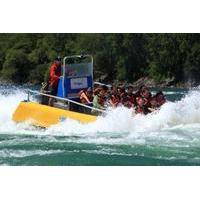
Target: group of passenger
142, 100
102, 96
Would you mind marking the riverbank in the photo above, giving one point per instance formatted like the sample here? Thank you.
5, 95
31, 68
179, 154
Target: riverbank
149, 82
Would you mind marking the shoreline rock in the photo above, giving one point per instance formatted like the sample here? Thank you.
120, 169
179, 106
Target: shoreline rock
149, 82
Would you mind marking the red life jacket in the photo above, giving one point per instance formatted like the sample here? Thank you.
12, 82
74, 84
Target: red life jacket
128, 104
131, 98
55, 72
139, 109
101, 100
115, 100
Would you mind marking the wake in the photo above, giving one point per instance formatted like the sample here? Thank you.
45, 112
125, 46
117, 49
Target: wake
183, 114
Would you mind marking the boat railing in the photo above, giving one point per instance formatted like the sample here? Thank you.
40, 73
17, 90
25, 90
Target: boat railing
98, 83
63, 99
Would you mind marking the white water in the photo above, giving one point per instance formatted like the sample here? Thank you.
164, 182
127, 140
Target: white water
176, 121
174, 132
9, 103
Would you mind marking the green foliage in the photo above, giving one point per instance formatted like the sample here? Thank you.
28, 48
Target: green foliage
124, 57
16, 65
121, 71
47, 74
173, 55
37, 74
156, 72
192, 63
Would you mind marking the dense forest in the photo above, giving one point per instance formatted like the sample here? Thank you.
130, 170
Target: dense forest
26, 58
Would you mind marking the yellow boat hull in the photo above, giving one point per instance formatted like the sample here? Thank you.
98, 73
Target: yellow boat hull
45, 116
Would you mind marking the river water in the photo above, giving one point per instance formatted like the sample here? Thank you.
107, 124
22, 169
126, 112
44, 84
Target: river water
170, 136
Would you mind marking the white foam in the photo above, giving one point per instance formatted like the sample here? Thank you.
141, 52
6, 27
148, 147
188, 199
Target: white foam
9, 153
174, 121
184, 112
9, 103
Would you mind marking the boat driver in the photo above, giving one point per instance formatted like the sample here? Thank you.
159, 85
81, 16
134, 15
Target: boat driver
55, 73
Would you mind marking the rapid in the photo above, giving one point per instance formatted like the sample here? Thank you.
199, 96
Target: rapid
170, 136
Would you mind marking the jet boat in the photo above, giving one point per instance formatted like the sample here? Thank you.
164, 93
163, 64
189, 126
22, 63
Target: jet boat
77, 74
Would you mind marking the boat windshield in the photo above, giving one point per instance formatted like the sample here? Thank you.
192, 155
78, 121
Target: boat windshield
77, 70
78, 67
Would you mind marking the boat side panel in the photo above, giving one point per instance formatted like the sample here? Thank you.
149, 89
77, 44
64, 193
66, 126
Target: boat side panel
45, 116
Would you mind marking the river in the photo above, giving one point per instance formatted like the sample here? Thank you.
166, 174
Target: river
170, 136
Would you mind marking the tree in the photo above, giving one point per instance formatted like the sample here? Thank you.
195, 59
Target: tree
16, 66
121, 56
166, 56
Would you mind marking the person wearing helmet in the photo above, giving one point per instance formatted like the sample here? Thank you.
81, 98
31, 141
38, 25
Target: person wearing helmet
55, 73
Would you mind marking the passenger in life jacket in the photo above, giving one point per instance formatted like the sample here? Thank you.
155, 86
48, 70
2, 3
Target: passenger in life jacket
153, 105
86, 96
55, 72
160, 98
100, 97
121, 90
156, 102
146, 95
139, 92
127, 102
114, 89
140, 107
114, 100
130, 95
